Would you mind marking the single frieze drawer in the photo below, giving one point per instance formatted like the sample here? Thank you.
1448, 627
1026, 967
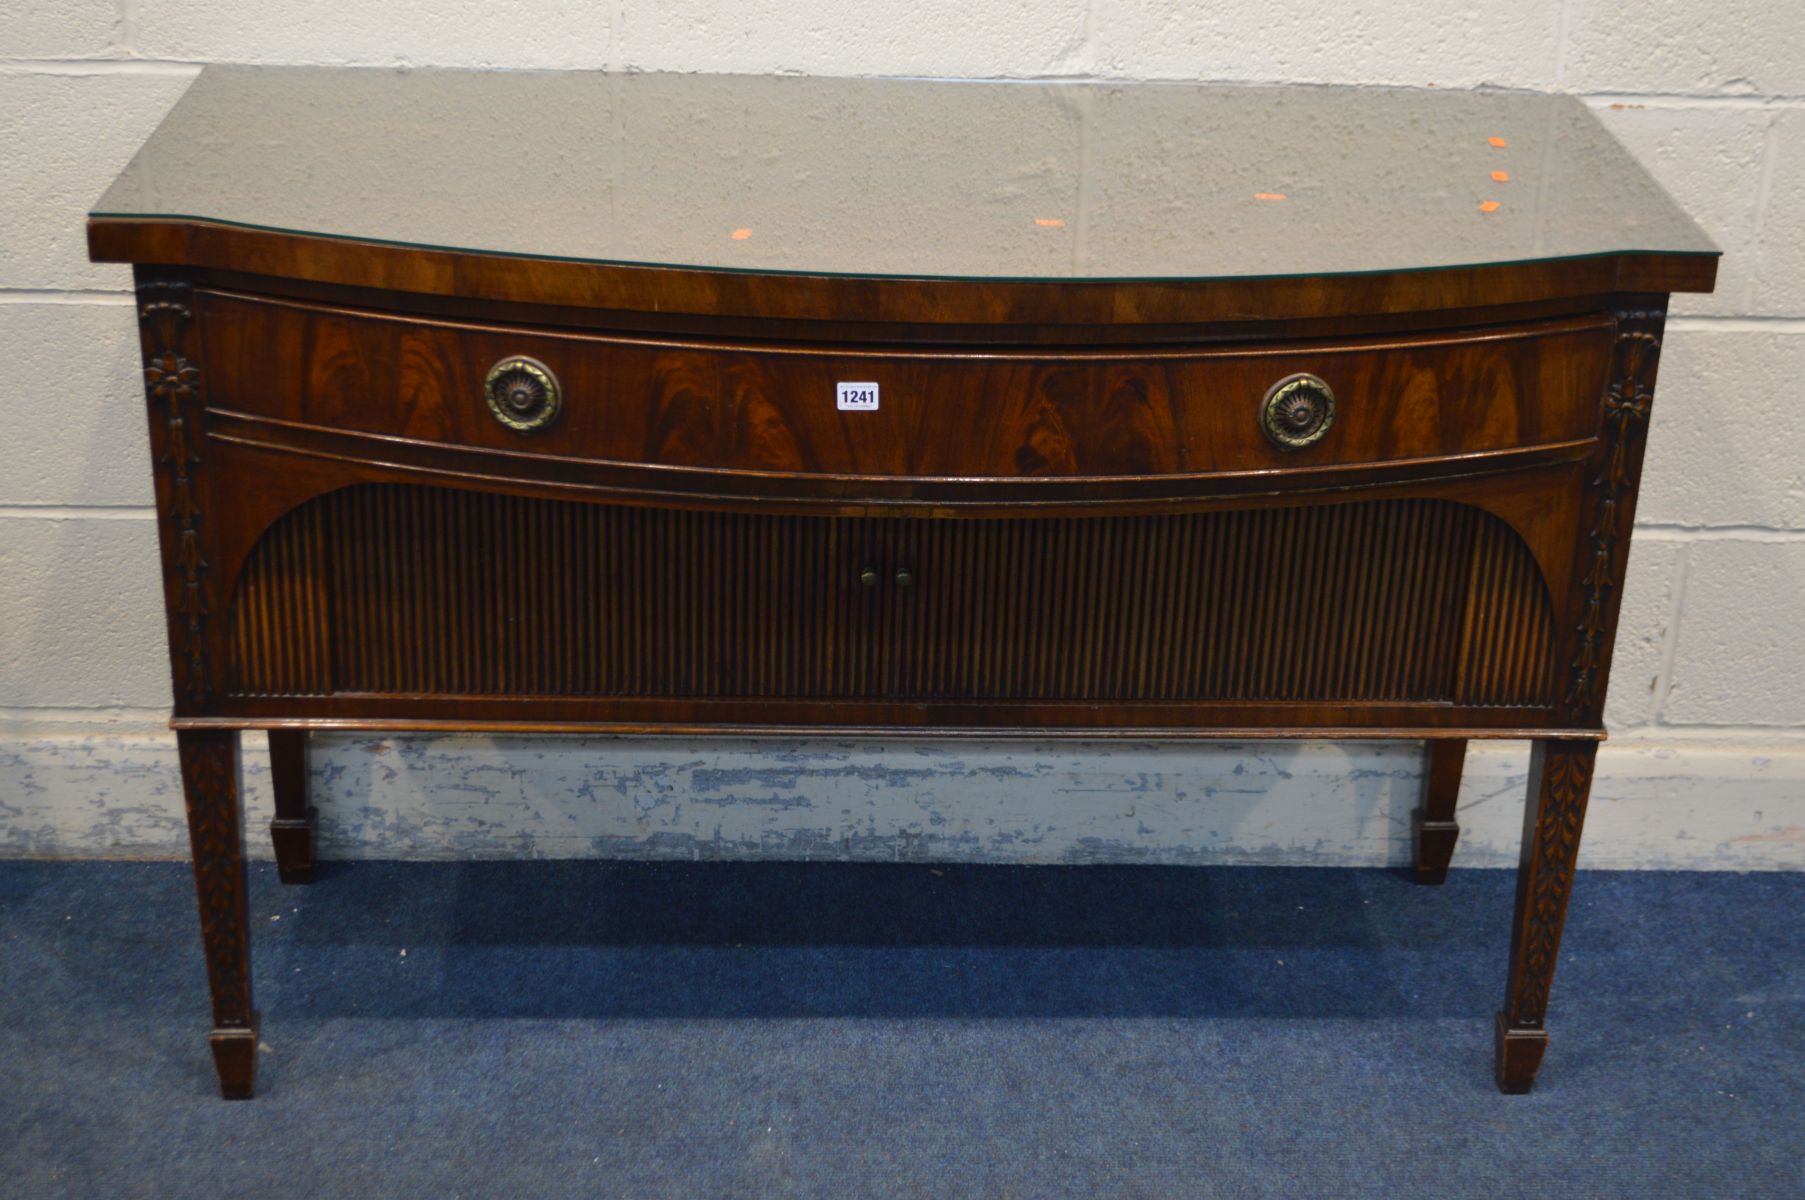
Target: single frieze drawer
937, 414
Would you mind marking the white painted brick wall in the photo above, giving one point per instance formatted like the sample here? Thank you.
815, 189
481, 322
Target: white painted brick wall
1644, 631
1779, 284
84, 354
1710, 95
68, 132
1725, 439
1408, 42
855, 37
500, 33
1740, 659
82, 619
60, 29
1685, 47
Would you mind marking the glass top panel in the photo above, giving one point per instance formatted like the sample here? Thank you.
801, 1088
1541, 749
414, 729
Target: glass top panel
903, 178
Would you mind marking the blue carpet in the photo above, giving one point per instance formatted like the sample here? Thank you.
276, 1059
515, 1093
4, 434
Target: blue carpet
724, 1030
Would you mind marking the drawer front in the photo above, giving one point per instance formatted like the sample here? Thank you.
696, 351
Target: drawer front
413, 591
938, 414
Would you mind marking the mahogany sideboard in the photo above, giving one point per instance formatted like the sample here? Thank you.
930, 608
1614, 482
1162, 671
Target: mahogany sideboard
575, 402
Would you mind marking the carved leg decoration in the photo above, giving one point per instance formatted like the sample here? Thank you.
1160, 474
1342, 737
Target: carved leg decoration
1560, 779
292, 830
1436, 831
210, 785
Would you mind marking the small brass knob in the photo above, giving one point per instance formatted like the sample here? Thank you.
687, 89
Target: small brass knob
1297, 412
868, 577
523, 394
904, 577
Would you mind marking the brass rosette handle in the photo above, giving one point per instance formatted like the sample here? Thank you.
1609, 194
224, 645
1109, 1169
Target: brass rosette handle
1297, 411
523, 393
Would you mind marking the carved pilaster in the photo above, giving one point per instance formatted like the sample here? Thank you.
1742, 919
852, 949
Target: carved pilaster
1609, 509
172, 386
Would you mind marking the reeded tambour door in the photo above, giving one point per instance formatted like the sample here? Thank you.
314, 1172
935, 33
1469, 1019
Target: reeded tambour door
1388, 601
403, 590
417, 591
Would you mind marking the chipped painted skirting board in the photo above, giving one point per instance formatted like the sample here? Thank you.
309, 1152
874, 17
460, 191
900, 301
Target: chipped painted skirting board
109, 792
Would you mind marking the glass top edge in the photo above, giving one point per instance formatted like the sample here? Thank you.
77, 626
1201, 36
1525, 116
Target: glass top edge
799, 273
903, 177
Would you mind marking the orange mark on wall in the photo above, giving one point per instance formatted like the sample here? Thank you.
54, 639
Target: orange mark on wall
1489, 206
1049, 222
1500, 176
740, 235
1498, 142
1269, 195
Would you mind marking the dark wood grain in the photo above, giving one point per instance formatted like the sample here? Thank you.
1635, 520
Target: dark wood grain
945, 414
369, 455
1181, 329
1435, 828
1609, 511
407, 591
210, 786
1560, 781
1387, 724
174, 389
1099, 540
292, 828
830, 299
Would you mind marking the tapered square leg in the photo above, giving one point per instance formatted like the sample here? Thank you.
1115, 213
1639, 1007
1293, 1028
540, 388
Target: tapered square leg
235, 1060
1560, 781
292, 831
1436, 831
1519, 1054
210, 786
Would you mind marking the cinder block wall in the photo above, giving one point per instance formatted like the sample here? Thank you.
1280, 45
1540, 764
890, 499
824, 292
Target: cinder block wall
1708, 768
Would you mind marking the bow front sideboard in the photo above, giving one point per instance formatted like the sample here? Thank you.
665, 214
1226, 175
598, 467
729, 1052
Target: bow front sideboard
576, 402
